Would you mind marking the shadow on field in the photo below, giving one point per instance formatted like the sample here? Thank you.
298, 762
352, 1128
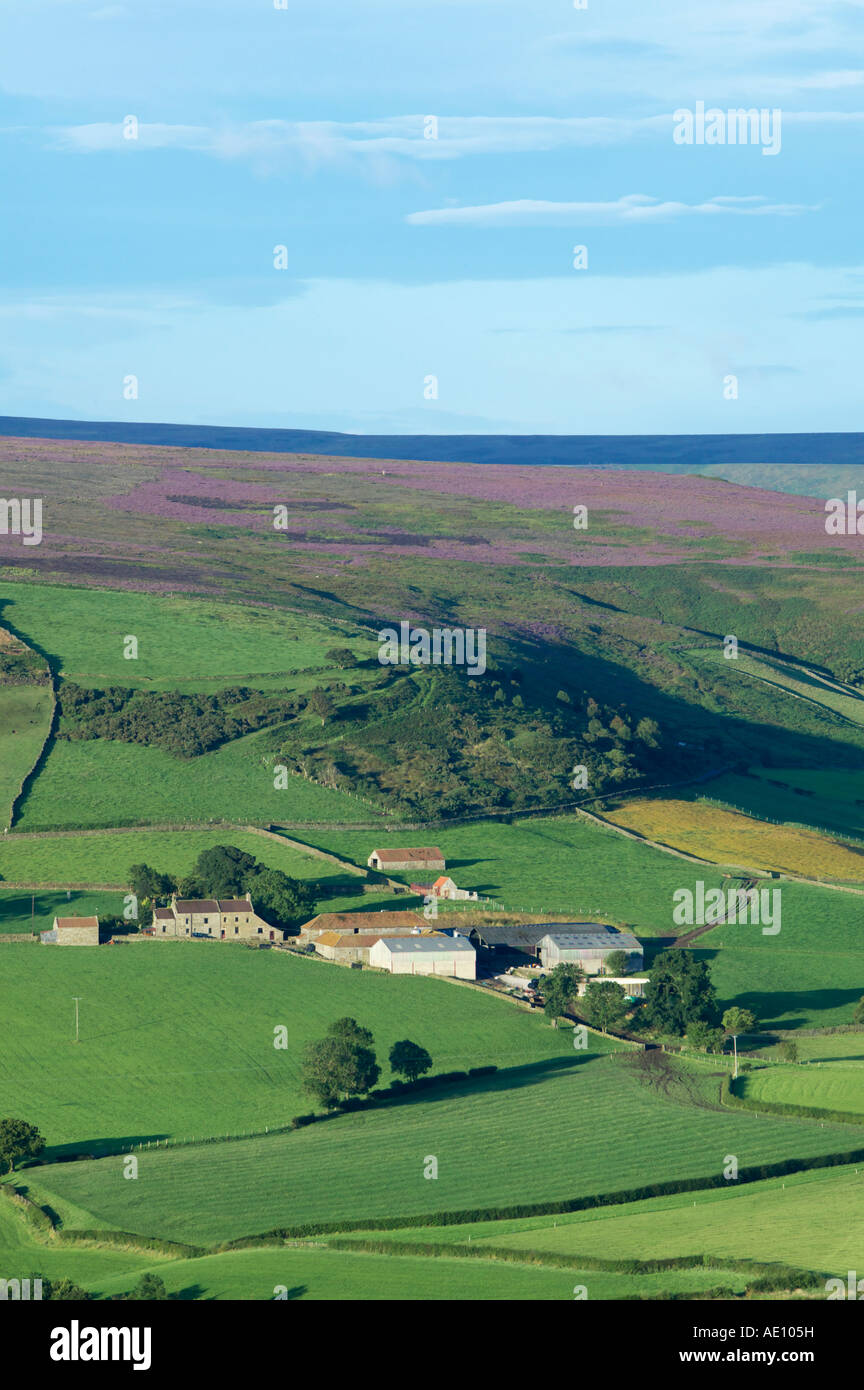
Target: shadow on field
773, 1010
509, 1079
94, 1148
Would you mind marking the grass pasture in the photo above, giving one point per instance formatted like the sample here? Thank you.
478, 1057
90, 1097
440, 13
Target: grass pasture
820, 1086
809, 975
561, 864
827, 799
486, 1136
25, 717
177, 1038
183, 643
24, 911
808, 1220
105, 783
318, 1273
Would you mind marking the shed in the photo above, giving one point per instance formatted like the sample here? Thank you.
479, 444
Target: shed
72, 931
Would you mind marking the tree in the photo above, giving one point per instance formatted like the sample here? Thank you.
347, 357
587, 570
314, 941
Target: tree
222, 870
789, 1050
18, 1140
147, 883
648, 732
560, 990
603, 1004
704, 1036
337, 1067
149, 1287
63, 1291
409, 1059
319, 703
341, 657
353, 1031
737, 1021
679, 992
282, 900
858, 1012
617, 963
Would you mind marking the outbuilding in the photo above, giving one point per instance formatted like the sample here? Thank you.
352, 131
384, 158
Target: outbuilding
426, 955
391, 860
588, 944
72, 931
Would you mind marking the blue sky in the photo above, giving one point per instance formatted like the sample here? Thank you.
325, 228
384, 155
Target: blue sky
409, 257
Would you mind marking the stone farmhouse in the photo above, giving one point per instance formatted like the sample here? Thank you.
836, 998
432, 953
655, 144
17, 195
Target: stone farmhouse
390, 860
426, 955
72, 931
220, 919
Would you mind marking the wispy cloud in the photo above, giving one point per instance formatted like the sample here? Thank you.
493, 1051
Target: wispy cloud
634, 207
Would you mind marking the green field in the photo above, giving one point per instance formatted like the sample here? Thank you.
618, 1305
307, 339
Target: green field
25, 717
820, 1086
807, 1220
105, 783
177, 1038
810, 975
597, 1128
544, 864
182, 642
105, 858
824, 799
23, 911
319, 1273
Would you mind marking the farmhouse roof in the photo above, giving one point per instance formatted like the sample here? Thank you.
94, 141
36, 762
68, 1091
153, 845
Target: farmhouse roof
351, 942
439, 882
427, 945
163, 912
401, 855
76, 922
329, 938
235, 905
197, 905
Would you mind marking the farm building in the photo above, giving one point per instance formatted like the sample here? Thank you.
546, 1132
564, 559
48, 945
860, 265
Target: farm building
72, 931
445, 888
425, 955
354, 947
521, 941
632, 985
389, 860
381, 923
587, 944
222, 919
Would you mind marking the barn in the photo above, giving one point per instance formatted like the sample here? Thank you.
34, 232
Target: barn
426, 955
72, 931
391, 860
588, 944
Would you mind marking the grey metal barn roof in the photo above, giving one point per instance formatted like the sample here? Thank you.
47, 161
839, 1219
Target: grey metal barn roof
427, 944
594, 938
527, 936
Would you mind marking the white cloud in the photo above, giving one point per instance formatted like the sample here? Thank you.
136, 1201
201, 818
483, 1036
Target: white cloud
634, 207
